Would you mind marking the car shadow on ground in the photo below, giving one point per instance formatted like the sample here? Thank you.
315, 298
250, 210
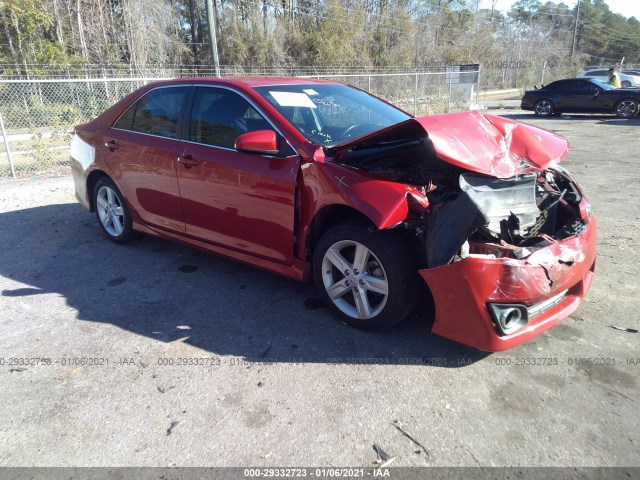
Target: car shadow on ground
602, 119
169, 292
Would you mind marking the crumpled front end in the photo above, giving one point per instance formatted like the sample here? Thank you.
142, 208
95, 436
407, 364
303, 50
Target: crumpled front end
506, 238
493, 303
508, 258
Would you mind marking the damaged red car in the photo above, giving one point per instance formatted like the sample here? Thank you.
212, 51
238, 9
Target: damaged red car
314, 179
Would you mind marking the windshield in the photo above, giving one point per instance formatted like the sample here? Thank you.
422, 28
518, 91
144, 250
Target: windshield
603, 85
329, 114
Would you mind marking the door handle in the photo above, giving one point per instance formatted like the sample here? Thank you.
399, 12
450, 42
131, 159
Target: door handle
112, 145
187, 160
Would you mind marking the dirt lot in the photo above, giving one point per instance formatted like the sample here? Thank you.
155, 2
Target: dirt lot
112, 319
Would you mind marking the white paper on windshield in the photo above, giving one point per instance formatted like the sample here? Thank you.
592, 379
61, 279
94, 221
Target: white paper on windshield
292, 99
310, 91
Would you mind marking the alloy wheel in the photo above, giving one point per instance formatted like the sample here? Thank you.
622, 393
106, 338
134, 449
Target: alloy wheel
544, 108
627, 108
110, 211
354, 279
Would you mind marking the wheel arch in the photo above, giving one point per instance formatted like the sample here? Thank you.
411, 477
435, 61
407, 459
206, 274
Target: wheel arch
329, 216
92, 179
635, 99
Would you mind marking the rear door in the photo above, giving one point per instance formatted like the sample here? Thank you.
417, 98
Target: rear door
242, 201
141, 149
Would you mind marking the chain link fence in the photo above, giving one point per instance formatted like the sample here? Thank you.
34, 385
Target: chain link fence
419, 93
38, 115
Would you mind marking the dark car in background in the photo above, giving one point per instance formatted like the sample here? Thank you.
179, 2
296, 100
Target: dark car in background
582, 95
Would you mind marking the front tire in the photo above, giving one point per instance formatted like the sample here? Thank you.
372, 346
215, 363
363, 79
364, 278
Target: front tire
627, 108
543, 108
367, 279
112, 212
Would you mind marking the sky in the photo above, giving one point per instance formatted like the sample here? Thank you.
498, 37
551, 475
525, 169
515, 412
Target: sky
628, 8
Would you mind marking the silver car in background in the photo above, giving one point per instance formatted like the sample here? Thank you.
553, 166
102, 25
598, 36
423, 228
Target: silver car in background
602, 74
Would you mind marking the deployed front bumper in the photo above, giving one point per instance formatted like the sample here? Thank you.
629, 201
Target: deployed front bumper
463, 290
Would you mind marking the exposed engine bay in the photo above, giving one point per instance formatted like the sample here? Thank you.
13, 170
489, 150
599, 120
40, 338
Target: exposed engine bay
470, 212
501, 218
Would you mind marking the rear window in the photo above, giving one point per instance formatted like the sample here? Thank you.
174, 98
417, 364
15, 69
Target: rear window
156, 113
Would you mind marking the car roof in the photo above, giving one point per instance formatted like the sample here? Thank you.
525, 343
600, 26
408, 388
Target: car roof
565, 80
248, 81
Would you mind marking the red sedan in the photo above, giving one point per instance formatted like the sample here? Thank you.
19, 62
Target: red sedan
318, 179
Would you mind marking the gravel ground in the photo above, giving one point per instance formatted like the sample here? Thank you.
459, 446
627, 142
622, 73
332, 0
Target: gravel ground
111, 319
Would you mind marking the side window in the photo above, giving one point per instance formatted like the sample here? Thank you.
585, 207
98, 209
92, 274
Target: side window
219, 116
569, 87
584, 88
156, 113
557, 87
587, 88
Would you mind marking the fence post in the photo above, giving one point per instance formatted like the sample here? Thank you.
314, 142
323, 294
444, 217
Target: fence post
450, 81
6, 145
415, 96
478, 87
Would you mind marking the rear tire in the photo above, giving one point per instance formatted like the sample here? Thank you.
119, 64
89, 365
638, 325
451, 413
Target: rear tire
543, 108
112, 212
369, 280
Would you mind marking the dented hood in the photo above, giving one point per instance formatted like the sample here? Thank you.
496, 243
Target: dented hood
481, 143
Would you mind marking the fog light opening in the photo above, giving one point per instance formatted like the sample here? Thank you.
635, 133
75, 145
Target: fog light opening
508, 318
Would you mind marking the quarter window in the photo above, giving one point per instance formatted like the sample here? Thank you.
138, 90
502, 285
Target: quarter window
156, 113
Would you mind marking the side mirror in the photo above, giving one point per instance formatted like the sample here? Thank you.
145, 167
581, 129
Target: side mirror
259, 141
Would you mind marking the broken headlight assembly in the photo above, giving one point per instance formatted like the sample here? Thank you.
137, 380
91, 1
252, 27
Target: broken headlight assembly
510, 217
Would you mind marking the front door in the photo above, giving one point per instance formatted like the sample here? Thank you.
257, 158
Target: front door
242, 201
